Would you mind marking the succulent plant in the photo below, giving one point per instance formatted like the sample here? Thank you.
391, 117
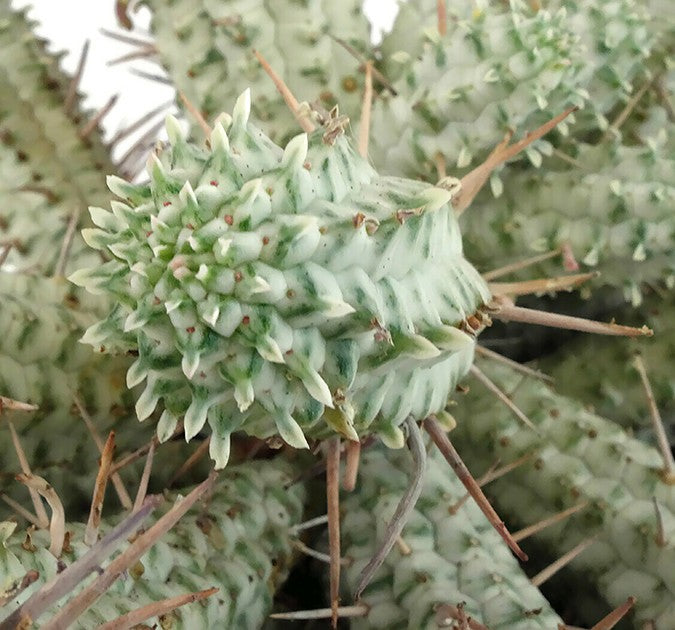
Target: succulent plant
580, 457
237, 541
296, 292
266, 289
453, 557
207, 47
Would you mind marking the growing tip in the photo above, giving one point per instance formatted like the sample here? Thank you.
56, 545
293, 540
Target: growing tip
242, 109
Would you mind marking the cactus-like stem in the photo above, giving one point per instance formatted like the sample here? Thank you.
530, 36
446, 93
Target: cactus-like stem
580, 457
453, 557
237, 541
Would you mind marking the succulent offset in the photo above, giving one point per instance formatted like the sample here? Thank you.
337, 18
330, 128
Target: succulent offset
495, 69
284, 291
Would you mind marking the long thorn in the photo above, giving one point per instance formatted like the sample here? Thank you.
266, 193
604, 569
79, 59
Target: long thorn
542, 285
96, 509
141, 143
403, 509
442, 17
143, 450
125, 39
366, 107
521, 264
564, 560
78, 604
292, 103
344, 612
535, 528
190, 462
660, 538
136, 617
57, 524
508, 312
362, 60
312, 522
68, 237
38, 506
353, 452
93, 123
474, 181
569, 159
626, 111
322, 557
71, 93
141, 53
15, 405
145, 478
608, 622
196, 114
151, 76
501, 396
333, 510
138, 123
668, 472
6, 249
117, 482
664, 99
518, 367
448, 451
